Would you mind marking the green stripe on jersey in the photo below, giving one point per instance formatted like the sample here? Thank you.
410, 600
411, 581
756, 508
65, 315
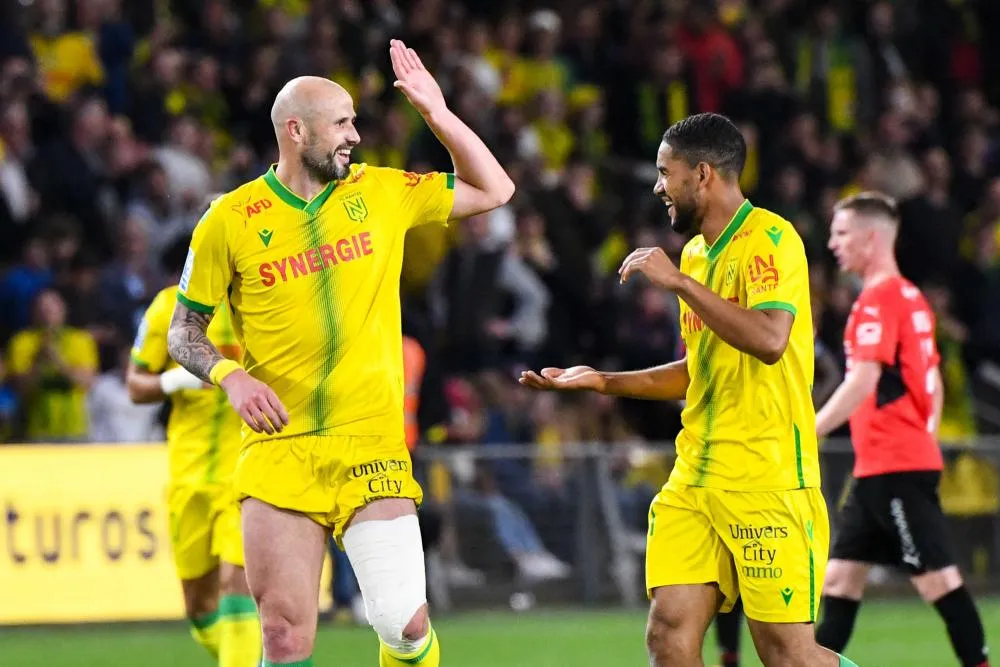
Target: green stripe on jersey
194, 305
798, 456
295, 201
327, 316
777, 305
706, 346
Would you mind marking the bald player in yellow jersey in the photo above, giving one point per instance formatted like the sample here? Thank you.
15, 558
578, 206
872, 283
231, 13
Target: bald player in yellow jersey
309, 255
203, 440
742, 513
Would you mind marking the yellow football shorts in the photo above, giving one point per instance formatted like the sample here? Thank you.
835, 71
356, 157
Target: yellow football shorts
326, 477
769, 547
204, 528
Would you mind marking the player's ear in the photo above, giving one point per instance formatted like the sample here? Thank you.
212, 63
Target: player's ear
295, 129
704, 173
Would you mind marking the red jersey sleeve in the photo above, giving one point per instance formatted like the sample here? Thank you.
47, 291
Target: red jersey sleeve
876, 331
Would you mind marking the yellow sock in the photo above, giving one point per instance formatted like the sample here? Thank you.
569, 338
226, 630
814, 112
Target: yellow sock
428, 655
205, 630
239, 632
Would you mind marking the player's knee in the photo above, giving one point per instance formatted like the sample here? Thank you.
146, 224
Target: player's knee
395, 624
932, 586
669, 640
419, 625
285, 638
787, 645
845, 579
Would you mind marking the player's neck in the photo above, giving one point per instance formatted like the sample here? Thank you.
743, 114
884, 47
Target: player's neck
879, 270
298, 180
719, 215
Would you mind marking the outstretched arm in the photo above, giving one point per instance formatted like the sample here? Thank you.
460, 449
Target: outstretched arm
481, 182
668, 382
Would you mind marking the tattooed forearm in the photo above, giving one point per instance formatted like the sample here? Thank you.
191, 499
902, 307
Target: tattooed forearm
187, 343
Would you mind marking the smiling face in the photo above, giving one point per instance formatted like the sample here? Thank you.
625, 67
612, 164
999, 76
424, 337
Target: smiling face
326, 154
676, 186
321, 125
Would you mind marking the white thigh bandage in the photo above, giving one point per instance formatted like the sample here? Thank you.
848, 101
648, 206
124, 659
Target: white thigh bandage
388, 560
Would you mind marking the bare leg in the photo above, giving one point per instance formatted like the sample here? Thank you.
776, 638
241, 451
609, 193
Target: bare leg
790, 645
284, 560
679, 617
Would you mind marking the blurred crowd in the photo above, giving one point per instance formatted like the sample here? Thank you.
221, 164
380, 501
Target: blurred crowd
119, 120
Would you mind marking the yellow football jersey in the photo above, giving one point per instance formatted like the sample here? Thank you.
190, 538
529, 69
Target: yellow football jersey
314, 287
748, 426
57, 408
203, 432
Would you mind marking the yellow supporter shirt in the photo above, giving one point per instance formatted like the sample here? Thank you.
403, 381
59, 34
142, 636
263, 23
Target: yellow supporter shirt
203, 432
748, 426
56, 409
314, 287
68, 62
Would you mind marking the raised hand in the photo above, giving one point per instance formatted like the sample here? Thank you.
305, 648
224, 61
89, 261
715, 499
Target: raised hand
654, 264
414, 80
256, 403
576, 378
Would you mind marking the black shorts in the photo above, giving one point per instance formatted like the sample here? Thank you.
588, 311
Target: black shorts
895, 519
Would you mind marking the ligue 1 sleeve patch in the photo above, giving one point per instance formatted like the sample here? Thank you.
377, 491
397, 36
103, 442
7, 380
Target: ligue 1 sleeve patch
140, 335
186, 273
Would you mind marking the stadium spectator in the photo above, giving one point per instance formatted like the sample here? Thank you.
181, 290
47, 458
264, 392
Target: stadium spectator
53, 366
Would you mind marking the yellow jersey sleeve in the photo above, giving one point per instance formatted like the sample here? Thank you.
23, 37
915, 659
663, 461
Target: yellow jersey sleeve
149, 351
776, 273
423, 198
208, 270
21, 352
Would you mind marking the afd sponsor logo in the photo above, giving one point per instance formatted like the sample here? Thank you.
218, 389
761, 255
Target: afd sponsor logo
315, 260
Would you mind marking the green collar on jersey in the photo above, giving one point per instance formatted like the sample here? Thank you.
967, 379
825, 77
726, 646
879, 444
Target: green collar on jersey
292, 199
734, 225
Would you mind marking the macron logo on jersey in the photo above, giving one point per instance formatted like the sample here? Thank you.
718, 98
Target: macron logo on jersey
186, 273
315, 260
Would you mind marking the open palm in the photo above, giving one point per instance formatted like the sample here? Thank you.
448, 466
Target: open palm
414, 80
576, 378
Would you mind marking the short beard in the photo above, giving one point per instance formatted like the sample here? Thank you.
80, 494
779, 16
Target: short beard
683, 222
324, 170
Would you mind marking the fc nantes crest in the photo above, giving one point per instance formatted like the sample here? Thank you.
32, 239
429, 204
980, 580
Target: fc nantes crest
356, 208
731, 270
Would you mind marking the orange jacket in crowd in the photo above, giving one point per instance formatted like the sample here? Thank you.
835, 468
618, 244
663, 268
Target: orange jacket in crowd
414, 362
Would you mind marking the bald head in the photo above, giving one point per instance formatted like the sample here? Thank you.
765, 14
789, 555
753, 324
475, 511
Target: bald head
313, 122
303, 96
